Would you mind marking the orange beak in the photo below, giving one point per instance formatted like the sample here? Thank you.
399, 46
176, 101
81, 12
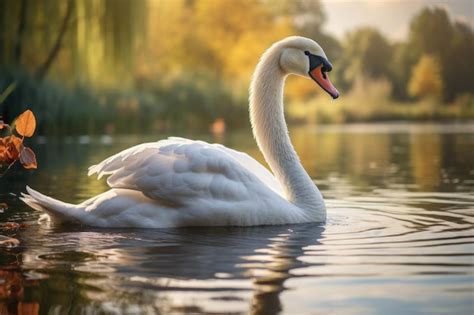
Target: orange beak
322, 79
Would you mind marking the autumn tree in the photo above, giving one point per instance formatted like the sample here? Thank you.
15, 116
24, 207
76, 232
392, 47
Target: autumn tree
219, 38
426, 78
307, 18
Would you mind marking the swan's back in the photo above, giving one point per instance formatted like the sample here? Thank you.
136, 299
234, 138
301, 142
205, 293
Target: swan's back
157, 168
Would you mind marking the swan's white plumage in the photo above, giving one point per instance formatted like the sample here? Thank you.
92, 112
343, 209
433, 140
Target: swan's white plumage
180, 182
157, 168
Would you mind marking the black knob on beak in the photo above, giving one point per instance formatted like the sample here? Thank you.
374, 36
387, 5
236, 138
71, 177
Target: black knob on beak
315, 61
327, 66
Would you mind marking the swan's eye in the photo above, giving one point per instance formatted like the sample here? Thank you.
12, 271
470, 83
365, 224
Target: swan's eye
307, 53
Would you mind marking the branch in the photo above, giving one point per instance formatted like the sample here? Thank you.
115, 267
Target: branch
43, 69
21, 30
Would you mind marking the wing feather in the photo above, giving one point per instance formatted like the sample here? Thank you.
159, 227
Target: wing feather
177, 170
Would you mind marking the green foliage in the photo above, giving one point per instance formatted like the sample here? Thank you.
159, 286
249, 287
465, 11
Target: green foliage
307, 18
365, 53
58, 110
401, 64
101, 42
184, 103
432, 33
459, 68
194, 102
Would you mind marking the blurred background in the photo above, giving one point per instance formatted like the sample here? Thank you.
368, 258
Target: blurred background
134, 66
104, 75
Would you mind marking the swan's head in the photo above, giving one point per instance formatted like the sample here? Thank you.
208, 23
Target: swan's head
303, 56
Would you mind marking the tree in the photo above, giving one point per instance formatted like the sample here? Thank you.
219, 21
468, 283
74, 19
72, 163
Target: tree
44, 68
366, 53
219, 38
432, 33
459, 69
307, 18
21, 30
401, 64
426, 78
77, 40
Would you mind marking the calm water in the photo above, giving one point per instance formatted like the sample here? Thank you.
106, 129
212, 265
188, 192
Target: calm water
399, 236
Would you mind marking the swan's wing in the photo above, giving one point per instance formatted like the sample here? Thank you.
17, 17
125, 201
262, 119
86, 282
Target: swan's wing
178, 170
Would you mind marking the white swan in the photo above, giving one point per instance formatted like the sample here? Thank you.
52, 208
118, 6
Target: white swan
179, 182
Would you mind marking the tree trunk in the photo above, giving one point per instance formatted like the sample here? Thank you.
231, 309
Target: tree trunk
44, 68
17, 52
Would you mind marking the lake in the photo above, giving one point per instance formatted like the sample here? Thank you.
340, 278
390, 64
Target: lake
398, 240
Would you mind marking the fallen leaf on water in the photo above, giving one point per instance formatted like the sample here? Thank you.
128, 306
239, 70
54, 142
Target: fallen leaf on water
28, 158
25, 124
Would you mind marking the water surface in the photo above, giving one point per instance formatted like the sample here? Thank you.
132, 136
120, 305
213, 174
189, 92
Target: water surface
399, 236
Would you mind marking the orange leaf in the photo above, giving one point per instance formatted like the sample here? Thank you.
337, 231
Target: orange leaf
25, 124
28, 158
14, 142
4, 156
10, 148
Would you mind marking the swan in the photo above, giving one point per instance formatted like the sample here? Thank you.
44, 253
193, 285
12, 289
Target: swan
178, 182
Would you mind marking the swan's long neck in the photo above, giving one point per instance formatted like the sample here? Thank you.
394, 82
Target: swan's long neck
270, 131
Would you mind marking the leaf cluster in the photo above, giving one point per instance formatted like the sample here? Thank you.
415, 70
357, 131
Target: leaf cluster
12, 148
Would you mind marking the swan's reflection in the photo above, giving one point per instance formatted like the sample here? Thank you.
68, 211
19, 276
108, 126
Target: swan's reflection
284, 250
159, 267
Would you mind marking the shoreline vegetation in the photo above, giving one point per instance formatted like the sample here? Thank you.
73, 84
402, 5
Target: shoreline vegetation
370, 101
193, 105
129, 67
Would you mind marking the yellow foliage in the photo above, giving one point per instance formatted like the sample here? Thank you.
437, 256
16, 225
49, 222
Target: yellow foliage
221, 38
426, 78
169, 38
244, 53
301, 89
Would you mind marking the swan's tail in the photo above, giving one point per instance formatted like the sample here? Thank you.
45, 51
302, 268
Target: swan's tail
59, 210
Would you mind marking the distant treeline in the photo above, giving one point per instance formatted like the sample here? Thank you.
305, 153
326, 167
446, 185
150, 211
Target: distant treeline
88, 66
